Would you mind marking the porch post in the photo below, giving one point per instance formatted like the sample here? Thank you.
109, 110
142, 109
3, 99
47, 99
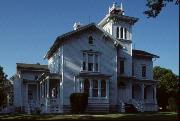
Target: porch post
142, 92
155, 100
37, 95
107, 88
93, 62
47, 90
99, 88
40, 91
86, 61
27, 94
90, 89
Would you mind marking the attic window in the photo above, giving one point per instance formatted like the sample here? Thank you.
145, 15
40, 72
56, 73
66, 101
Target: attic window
90, 40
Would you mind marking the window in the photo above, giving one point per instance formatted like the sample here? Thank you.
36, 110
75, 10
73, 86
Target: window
117, 32
90, 40
84, 61
103, 88
132, 69
143, 71
90, 62
121, 32
95, 88
121, 66
86, 86
125, 33
96, 62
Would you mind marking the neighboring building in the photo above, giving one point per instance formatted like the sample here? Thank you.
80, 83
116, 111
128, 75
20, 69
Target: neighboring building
97, 59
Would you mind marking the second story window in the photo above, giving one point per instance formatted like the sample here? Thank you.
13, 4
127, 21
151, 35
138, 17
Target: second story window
143, 70
90, 62
132, 69
121, 66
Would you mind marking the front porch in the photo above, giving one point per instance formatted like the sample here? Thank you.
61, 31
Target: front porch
50, 93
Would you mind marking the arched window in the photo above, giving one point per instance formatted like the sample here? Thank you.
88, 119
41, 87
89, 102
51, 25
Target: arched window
103, 88
91, 40
95, 88
86, 86
117, 32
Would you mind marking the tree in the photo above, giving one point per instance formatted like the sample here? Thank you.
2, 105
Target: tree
155, 7
3, 97
166, 86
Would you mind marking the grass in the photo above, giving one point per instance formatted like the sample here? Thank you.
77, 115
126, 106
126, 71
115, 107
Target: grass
119, 116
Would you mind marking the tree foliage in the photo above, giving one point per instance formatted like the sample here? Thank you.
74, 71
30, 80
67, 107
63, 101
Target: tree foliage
3, 97
155, 7
166, 85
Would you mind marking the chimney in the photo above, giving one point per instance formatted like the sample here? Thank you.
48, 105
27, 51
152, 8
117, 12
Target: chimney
77, 25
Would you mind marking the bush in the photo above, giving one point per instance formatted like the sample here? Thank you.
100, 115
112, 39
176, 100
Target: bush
172, 104
78, 102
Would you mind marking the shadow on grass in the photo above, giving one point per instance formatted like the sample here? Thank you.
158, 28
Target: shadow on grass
115, 116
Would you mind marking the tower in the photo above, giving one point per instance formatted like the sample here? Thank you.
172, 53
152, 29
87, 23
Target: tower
119, 25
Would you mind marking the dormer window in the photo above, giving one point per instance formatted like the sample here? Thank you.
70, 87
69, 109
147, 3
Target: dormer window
91, 40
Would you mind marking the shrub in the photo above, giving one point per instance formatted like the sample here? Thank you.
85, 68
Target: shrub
78, 102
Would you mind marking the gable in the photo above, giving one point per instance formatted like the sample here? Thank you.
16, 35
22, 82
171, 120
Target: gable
61, 39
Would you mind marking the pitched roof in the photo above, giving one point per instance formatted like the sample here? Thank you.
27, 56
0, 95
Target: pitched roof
124, 18
141, 53
31, 66
60, 39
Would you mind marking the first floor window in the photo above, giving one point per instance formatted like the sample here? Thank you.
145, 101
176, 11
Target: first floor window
95, 88
103, 88
86, 86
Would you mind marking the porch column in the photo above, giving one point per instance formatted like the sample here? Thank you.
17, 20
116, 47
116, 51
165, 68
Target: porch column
90, 89
27, 94
107, 88
40, 91
43, 89
142, 92
47, 90
93, 62
99, 88
37, 93
155, 100
86, 61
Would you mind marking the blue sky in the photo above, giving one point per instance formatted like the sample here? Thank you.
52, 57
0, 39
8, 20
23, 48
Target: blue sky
29, 27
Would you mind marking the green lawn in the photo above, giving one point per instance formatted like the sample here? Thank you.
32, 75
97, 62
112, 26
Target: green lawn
138, 116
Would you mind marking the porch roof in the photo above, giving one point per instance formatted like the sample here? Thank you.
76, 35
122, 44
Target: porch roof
124, 78
93, 75
50, 76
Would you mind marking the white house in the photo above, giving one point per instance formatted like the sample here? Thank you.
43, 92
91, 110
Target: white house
97, 59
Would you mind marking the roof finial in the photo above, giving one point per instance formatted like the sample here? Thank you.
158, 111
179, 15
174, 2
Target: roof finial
121, 7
